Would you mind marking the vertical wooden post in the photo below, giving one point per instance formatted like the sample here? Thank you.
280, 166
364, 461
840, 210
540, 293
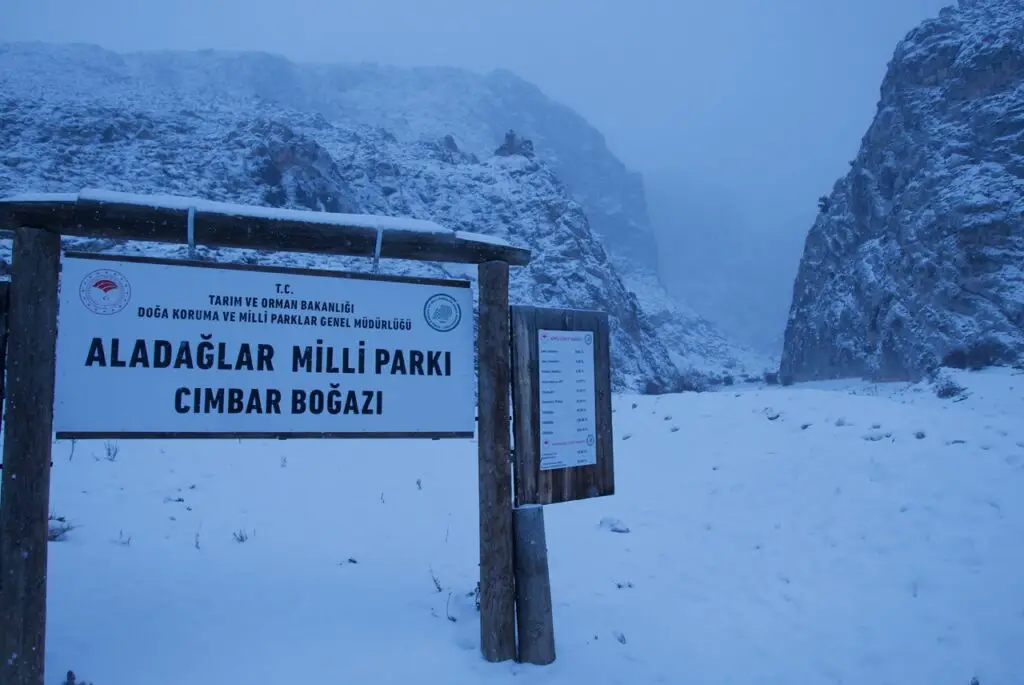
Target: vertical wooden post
497, 584
28, 430
533, 587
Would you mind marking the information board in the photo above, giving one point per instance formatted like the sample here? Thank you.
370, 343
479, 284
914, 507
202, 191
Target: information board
561, 405
567, 409
158, 348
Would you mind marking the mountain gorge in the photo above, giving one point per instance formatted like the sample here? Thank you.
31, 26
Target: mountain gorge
257, 129
917, 256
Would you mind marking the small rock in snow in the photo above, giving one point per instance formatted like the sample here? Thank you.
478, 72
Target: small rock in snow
614, 525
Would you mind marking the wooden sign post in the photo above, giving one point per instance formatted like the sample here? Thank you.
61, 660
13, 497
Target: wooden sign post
497, 582
24, 507
562, 423
187, 349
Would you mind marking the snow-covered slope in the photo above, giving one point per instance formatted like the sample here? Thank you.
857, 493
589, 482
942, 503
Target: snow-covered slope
918, 254
413, 106
844, 533
254, 157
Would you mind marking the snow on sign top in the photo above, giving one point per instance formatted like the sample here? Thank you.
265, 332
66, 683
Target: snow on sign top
480, 238
40, 197
175, 202
259, 212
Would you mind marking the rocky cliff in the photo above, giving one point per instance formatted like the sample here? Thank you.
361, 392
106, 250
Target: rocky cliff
917, 255
62, 133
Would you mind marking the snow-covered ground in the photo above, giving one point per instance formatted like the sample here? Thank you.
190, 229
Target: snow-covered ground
829, 533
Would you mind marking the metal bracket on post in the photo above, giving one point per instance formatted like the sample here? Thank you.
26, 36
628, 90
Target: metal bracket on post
192, 232
376, 250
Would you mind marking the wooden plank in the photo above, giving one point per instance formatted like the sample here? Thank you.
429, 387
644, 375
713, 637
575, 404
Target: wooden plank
604, 473
24, 503
532, 485
497, 591
525, 401
121, 221
4, 293
533, 587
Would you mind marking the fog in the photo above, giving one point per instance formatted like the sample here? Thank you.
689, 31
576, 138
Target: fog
739, 113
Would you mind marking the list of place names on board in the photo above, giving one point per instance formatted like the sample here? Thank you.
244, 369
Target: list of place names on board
568, 426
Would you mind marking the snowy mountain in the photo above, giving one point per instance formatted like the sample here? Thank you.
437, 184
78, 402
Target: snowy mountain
418, 142
917, 257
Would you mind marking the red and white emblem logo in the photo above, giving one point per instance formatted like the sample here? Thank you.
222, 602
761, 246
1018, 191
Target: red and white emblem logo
105, 291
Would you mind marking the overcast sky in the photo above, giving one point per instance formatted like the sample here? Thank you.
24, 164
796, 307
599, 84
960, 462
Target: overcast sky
761, 101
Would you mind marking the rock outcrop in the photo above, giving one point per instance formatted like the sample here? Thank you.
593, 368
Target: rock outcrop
917, 256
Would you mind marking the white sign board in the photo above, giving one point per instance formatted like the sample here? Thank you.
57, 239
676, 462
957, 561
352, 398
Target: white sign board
151, 348
568, 428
